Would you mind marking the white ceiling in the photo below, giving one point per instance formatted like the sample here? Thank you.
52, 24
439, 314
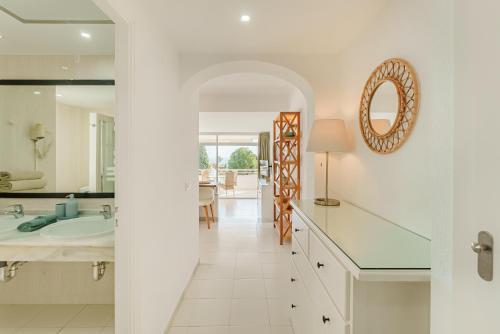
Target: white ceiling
87, 97
54, 39
246, 84
277, 26
196, 26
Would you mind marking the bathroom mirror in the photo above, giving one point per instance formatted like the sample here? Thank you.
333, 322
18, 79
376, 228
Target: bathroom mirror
384, 107
389, 106
57, 137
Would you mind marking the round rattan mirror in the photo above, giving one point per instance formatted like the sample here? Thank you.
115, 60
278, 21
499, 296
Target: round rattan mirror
389, 106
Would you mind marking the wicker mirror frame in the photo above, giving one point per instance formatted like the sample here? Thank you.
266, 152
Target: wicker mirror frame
402, 75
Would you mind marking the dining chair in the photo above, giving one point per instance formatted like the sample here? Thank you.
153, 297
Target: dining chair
206, 200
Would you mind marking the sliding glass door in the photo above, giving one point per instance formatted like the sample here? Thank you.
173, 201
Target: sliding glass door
207, 165
232, 163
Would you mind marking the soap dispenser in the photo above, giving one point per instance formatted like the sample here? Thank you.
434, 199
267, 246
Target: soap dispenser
71, 207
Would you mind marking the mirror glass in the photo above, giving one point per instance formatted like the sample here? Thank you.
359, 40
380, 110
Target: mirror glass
57, 138
384, 107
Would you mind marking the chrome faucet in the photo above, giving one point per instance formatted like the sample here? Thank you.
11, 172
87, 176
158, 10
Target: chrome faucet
16, 210
106, 211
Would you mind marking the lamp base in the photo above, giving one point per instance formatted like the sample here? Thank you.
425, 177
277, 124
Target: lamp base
327, 202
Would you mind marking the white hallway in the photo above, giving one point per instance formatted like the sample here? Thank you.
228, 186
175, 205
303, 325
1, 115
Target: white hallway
241, 283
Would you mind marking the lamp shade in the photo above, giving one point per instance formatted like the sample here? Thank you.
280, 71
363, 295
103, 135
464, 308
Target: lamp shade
328, 135
37, 132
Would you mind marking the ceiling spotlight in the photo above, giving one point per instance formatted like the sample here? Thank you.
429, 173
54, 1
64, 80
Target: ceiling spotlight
36, 92
85, 35
64, 68
245, 18
59, 95
1, 36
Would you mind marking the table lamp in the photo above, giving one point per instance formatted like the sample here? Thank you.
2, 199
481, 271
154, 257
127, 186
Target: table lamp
327, 135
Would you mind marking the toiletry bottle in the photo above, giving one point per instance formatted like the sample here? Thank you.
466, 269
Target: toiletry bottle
71, 207
61, 210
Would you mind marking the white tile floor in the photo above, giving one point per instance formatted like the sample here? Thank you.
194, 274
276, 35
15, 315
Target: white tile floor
241, 283
52, 319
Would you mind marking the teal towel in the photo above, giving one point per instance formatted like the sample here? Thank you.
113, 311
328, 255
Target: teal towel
37, 223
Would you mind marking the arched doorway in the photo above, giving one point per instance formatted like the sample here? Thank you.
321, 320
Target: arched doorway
304, 102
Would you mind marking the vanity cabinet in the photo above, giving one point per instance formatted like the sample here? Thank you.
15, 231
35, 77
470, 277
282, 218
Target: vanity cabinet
355, 273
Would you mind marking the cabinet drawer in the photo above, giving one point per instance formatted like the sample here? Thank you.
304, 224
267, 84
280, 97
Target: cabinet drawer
300, 232
299, 258
300, 304
306, 283
334, 276
327, 320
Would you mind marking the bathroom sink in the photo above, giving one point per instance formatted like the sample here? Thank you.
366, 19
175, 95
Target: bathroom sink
9, 224
79, 228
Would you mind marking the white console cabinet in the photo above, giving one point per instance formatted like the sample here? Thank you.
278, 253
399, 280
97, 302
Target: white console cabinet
356, 273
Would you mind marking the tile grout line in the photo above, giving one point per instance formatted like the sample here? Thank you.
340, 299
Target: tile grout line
76, 315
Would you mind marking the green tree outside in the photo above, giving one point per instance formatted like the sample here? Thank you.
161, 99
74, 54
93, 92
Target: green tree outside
204, 163
242, 158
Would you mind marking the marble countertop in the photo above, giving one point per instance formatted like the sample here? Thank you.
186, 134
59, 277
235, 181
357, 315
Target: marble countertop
369, 241
31, 246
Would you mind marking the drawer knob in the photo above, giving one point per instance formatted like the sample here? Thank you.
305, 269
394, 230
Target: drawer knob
319, 265
294, 253
292, 279
297, 230
325, 319
293, 306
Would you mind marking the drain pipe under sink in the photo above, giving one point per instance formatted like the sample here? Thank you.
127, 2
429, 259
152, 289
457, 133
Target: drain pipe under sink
98, 270
7, 272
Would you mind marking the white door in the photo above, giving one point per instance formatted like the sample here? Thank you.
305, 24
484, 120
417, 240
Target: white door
477, 163
105, 154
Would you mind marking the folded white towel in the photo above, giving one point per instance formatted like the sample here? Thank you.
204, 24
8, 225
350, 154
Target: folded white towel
20, 175
7, 186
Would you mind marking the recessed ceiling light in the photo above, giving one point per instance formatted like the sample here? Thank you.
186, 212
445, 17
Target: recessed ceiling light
1, 36
64, 68
245, 18
59, 95
85, 35
36, 92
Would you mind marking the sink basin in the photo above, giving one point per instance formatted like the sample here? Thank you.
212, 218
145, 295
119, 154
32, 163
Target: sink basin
79, 228
9, 224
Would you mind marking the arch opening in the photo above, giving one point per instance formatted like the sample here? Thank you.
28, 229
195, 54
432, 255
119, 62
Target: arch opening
302, 99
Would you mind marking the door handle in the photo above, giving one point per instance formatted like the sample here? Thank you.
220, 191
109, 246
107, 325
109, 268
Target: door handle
483, 247
478, 248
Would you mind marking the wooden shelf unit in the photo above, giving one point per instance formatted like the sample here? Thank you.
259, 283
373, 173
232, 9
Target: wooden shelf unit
286, 169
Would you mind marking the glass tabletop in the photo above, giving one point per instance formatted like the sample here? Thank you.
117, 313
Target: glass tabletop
369, 241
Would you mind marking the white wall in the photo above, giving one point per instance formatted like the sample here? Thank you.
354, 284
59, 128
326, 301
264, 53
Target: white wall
164, 162
244, 103
413, 186
51, 67
237, 121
